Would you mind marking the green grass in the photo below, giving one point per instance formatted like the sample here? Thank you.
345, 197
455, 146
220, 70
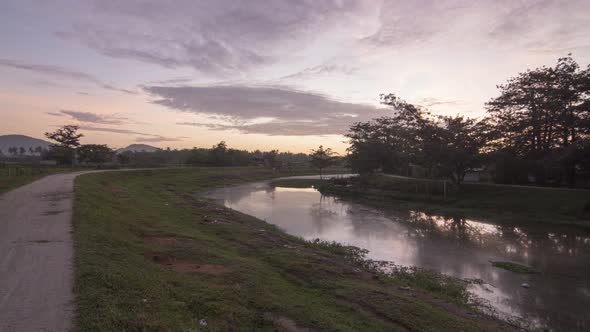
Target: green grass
515, 204
534, 201
514, 267
297, 183
264, 277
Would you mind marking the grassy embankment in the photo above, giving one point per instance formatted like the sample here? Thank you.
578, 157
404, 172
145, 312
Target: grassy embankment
514, 267
12, 177
150, 255
298, 183
519, 204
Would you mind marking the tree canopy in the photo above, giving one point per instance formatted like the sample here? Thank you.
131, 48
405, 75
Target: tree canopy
95, 153
66, 136
543, 115
539, 125
321, 158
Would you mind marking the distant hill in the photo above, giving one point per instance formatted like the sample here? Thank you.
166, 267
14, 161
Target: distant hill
138, 148
8, 141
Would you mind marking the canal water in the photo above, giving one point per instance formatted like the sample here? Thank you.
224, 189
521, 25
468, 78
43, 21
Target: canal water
558, 298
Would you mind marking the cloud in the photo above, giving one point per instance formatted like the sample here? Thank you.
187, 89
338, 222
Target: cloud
324, 69
92, 117
53, 71
177, 80
145, 137
58, 72
544, 24
265, 110
113, 88
48, 83
114, 130
157, 139
432, 102
282, 128
221, 37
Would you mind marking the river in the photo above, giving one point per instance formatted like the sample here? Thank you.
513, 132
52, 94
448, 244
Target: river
558, 298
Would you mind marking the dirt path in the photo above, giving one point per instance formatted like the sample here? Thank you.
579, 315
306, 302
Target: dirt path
36, 251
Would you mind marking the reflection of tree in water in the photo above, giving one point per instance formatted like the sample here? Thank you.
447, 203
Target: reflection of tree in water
270, 192
556, 251
321, 215
372, 223
505, 238
232, 195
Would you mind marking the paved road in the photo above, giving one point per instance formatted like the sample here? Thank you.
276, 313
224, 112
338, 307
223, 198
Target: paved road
36, 251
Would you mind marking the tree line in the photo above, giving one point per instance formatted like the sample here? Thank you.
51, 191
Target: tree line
67, 149
219, 155
538, 129
19, 151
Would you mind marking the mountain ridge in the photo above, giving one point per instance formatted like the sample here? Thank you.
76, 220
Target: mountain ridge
24, 141
138, 148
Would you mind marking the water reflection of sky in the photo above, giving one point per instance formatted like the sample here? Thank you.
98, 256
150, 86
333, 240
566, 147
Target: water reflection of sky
451, 244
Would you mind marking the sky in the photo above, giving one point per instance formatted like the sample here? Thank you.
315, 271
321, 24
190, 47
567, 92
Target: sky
264, 74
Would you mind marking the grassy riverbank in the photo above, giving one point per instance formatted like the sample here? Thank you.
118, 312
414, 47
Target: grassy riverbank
503, 203
152, 256
298, 183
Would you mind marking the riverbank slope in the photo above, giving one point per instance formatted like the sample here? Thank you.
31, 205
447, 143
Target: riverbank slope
151, 255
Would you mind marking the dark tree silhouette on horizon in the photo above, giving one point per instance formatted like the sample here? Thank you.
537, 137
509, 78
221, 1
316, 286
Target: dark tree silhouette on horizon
543, 115
67, 140
322, 158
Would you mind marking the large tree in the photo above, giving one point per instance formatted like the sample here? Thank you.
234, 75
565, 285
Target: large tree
66, 139
322, 158
458, 145
446, 146
390, 143
271, 159
95, 153
543, 115
218, 154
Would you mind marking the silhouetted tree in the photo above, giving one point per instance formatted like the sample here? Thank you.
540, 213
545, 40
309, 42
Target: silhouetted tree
218, 154
271, 158
95, 153
67, 139
459, 147
413, 137
543, 115
124, 158
321, 158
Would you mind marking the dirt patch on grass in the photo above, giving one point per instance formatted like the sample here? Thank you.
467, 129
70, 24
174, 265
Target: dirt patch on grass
285, 323
168, 240
180, 266
114, 189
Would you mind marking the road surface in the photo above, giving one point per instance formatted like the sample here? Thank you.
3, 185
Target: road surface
36, 251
